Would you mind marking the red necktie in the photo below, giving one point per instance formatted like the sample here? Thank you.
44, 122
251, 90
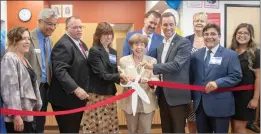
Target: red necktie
83, 51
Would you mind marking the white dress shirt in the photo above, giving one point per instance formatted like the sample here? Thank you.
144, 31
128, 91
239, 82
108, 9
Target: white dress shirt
149, 39
213, 51
77, 42
166, 44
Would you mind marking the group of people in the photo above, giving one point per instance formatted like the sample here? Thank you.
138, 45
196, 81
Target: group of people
70, 76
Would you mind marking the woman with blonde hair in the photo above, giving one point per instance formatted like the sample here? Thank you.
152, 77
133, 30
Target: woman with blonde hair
19, 88
246, 101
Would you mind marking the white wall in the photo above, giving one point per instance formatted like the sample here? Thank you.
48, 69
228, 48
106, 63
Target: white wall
3, 15
151, 4
187, 15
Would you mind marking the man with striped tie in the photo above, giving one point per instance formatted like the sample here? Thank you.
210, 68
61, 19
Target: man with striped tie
39, 58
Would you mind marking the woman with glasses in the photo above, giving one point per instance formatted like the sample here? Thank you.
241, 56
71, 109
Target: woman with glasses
246, 101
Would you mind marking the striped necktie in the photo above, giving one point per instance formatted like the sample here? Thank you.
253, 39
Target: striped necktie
46, 43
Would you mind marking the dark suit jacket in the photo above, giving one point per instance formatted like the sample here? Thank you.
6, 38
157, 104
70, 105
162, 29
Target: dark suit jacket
70, 70
155, 42
103, 74
191, 38
175, 69
228, 74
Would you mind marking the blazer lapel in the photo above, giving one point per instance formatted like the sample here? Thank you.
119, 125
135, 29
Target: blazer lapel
217, 54
160, 52
201, 58
76, 47
172, 44
105, 55
36, 45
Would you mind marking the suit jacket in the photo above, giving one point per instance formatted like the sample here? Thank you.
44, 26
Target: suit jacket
191, 38
34, 57
17, 90
175, 69
70, 70
228, 74
127, 66
103, 73
155, 42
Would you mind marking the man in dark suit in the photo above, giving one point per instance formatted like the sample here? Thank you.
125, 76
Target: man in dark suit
70, 76
214, 67
173, 58
39, 58
150, 24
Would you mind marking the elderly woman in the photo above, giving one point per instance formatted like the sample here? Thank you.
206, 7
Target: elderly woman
197, 41
103, 76
249, 55
19, 89
129, 66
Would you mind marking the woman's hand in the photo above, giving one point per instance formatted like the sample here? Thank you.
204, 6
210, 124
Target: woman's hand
18, 123
144, 80
123, 78
253, 104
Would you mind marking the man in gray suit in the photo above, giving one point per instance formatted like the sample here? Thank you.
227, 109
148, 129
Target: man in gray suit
173, 66
39, 57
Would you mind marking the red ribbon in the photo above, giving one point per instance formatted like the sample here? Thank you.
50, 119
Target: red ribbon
197, 88
5, 111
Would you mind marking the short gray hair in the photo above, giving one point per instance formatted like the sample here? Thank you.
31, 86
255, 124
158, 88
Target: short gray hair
47, 13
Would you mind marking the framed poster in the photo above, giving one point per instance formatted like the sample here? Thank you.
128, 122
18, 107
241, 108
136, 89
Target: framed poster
67, 11
211, 4
194, 4
57, 9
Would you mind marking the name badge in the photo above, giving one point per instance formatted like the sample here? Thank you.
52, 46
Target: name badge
215, 60
37, 50
112, 58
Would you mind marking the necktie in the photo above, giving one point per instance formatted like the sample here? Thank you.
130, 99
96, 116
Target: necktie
46, 43
206, 62
82, 49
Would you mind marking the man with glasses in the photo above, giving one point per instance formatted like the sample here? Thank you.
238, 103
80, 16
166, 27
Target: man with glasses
39, 58
214, 67
70, 76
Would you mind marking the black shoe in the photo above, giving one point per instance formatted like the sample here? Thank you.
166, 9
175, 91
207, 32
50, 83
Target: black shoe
253, 128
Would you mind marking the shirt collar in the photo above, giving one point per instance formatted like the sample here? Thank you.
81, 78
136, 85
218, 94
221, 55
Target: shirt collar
148, 35
214, 49
77, 42
39, 34
170, 39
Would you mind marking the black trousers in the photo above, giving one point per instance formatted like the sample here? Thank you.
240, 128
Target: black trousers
40, 120
173, 118
69, 123
28, 127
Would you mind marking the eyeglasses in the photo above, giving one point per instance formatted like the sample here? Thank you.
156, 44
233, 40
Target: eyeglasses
51, 24
242, 33
76, 27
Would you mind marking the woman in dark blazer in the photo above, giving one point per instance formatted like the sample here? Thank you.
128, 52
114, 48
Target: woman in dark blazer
104, 74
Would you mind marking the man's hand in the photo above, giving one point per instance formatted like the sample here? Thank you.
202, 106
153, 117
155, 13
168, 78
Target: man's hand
211, 86
80, 93
146, 65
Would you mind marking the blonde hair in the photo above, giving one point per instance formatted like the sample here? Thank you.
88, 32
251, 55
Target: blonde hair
138, 38
200, 15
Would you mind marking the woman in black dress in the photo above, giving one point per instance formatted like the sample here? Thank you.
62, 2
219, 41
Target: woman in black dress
246, 101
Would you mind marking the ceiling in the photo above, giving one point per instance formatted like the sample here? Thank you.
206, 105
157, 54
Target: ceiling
121, 27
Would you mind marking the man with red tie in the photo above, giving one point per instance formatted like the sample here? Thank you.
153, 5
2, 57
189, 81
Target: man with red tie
70, 76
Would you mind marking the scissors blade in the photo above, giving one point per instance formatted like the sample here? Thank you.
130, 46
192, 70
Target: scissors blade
141, 93
134, 101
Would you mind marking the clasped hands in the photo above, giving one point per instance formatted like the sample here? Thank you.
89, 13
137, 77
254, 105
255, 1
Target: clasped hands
126, 79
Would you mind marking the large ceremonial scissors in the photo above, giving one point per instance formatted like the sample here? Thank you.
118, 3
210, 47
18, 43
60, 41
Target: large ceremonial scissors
138, 92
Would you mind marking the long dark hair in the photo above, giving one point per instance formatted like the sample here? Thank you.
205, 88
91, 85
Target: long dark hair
251, 47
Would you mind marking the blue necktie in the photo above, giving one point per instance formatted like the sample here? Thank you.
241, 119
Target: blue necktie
206, 62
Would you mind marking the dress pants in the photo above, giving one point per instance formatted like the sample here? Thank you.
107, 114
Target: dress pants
28, 127
207, 124
40, 120
140, 123
173, 118
69, 123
